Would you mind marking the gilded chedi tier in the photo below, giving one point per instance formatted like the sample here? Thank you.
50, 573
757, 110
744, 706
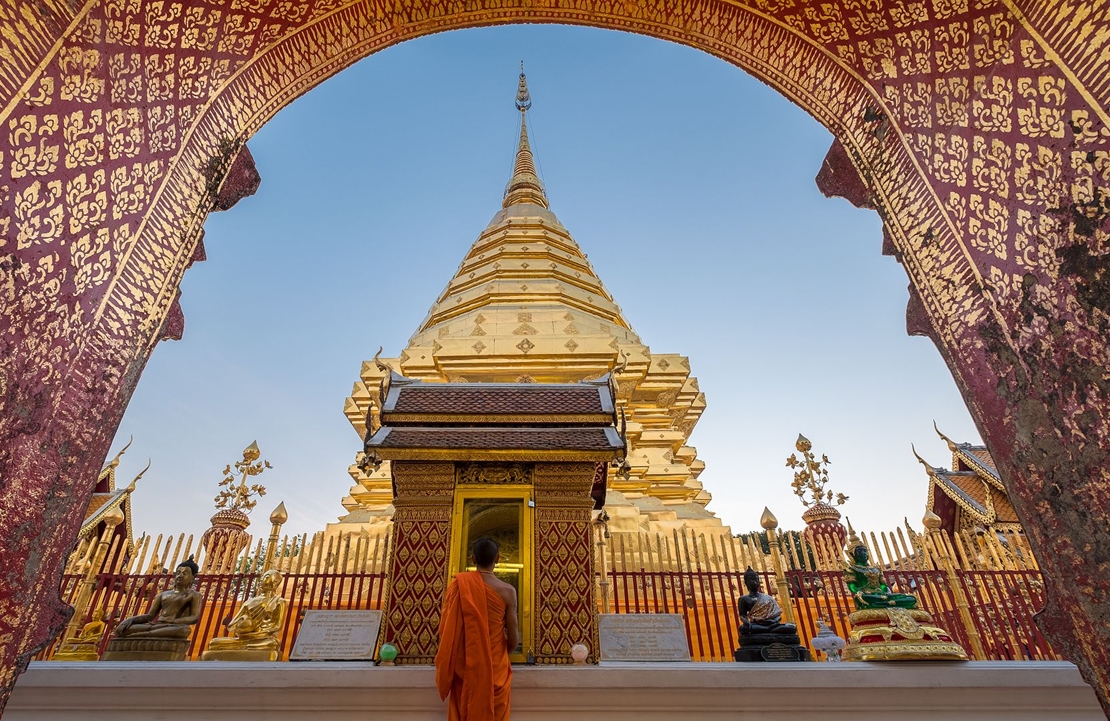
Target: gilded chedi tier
527, 306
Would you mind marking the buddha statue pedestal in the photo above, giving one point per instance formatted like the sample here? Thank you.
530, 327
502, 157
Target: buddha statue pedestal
771, 647
146, 649
898, 634
76, 651
241, 654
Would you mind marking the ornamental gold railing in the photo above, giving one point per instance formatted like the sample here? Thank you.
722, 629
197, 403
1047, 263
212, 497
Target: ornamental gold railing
984, 588
337, 572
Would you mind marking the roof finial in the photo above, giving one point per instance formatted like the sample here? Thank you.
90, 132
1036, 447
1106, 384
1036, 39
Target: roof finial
115, 461
525, 185
523, 99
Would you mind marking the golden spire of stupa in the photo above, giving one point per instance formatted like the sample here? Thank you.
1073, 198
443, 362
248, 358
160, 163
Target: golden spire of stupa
526, 305
525, 185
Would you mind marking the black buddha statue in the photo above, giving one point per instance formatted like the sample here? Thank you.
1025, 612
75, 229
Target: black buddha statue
761, 626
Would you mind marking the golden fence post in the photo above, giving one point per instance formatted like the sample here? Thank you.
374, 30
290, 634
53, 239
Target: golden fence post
932, 523
278, 519
84, 595
770, 523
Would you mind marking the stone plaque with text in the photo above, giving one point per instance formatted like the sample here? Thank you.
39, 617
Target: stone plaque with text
337, 636
642, 637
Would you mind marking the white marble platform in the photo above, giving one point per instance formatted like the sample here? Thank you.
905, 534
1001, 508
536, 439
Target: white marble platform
983, 691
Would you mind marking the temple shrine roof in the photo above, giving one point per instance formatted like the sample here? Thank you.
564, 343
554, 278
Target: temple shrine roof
598, 443
979, 459
973, 486
516, 403
493, 421
965, 485
106, 496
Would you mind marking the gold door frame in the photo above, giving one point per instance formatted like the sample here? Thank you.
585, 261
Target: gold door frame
527, 538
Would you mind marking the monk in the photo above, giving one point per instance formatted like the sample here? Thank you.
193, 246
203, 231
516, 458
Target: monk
477, 630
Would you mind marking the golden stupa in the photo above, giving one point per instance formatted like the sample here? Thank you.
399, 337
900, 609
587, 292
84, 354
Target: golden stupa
526, 306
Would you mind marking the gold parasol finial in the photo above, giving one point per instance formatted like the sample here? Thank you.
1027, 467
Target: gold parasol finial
811, 476
523, 99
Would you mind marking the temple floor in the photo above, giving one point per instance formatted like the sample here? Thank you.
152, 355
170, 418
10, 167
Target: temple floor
983, 691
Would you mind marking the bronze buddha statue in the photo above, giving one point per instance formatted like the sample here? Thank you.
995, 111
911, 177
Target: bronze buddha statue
172, 614
162, 633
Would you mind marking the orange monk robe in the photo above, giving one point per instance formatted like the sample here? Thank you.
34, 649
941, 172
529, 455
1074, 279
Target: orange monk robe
472, 664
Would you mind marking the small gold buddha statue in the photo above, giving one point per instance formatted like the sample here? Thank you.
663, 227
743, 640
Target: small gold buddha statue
255, 626
82, 646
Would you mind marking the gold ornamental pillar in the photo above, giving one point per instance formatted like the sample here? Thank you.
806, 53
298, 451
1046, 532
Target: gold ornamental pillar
770, 524
111, 519
933, 523
419, 558
277, 520
602, 535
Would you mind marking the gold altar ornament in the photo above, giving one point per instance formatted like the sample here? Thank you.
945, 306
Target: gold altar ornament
237, 494
811, 475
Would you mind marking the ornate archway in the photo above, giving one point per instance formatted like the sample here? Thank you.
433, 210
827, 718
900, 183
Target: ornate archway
978, 129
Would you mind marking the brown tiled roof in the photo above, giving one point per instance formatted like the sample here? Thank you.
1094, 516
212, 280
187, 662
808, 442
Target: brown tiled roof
100, 504
554, 439
978, 459
984, 457
497, 399
1003, 509
965, 486
971, 486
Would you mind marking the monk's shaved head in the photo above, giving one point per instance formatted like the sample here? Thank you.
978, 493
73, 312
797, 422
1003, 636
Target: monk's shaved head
485, 552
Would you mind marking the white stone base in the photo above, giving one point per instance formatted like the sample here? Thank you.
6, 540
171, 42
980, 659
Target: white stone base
983, 691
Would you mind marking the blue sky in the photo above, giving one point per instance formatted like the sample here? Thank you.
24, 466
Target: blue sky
687, 182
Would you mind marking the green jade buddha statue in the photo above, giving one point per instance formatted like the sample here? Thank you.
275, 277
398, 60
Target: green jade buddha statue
888, 626
865, 581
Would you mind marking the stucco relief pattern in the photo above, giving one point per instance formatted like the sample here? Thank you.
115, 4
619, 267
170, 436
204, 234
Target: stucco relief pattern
186, 84
565, 604
979, 127
418, 567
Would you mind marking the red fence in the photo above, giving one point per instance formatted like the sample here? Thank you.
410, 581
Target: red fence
120, 596
983, 590
702, 579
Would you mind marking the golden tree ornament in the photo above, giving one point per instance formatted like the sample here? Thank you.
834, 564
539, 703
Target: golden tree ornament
236, 493
811, 476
